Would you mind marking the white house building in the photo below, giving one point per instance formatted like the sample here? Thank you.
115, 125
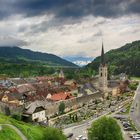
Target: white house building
35, 112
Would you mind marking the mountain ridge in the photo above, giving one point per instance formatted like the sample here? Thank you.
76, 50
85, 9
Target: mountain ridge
16, 54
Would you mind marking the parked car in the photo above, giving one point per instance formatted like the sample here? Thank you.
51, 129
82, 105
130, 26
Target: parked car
84, 138
80, 137
128, 129
136, 137
69, 135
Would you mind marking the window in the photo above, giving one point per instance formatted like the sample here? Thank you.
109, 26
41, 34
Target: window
101, 74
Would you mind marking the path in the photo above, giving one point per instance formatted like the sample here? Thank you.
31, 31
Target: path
135, 108
17, 131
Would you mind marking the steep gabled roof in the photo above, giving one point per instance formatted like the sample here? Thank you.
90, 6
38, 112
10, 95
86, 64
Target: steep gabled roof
30, 109
61, 96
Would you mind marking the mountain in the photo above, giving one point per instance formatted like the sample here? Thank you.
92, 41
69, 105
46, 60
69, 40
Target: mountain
18, 62
79, 60
122, 60
19, 55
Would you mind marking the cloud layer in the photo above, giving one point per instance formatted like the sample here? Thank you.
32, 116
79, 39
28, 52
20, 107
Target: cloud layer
69, 27
70, 8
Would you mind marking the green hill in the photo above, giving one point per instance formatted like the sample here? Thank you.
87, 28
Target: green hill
18, 55
31, 132
122, 60
16, 62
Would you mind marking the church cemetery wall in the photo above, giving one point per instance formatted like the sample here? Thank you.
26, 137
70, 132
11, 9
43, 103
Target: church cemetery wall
52, 108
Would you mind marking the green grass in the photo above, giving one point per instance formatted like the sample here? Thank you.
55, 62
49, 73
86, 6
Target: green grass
30, 131
132, 125
127, 107
135, 78
8, 133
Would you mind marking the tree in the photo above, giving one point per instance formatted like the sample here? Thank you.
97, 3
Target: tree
17, 117
53, 134
41, 72
133, 86
61, 108
105, 128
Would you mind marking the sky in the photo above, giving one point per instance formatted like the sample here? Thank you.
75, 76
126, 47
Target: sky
72, 29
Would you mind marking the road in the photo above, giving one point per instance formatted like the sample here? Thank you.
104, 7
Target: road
82, 128
135, 113
17, 131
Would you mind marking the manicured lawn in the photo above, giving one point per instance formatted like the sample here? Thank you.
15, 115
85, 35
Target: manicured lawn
8, 133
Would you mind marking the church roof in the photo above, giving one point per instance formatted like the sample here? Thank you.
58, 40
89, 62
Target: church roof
102, 56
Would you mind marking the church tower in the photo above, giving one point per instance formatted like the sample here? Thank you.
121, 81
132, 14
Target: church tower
61, 74
103, 83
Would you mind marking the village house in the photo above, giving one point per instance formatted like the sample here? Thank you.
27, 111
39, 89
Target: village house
5, 83
118, 87
35, 112
70, 83
17, 81
61, 96
12, 98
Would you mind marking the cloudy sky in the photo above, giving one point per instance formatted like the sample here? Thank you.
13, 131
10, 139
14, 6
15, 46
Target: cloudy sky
69, 28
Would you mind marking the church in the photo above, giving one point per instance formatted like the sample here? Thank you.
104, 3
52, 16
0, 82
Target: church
115, 87
103, 73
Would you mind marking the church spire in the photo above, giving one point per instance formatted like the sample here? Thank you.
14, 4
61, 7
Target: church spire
102, 56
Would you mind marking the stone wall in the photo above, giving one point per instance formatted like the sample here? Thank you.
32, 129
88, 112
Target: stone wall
7, 109
52, 108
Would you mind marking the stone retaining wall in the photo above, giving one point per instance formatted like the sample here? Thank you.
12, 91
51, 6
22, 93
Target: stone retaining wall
52, 108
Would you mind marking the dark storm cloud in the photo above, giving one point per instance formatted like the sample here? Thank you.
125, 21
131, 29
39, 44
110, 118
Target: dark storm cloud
45, 25
70, 8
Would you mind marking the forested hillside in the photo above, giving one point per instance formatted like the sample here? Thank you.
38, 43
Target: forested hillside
122, 60
15, 62
18, 55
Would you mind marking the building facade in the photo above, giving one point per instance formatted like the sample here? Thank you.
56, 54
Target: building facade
103, 73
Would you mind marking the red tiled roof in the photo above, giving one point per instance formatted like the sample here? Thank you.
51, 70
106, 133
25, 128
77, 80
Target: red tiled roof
61, 96
13, 90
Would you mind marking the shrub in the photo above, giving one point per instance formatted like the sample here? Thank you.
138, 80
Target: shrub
105, 128
17, 117
53, 134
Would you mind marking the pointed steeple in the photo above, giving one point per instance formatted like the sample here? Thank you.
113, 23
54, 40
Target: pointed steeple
102, 56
